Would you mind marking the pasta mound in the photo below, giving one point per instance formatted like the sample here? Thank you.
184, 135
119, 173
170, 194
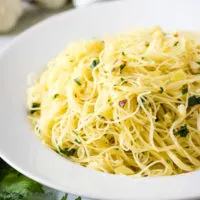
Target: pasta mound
128, 104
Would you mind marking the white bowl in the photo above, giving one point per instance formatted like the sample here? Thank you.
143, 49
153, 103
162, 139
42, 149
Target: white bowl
33, 49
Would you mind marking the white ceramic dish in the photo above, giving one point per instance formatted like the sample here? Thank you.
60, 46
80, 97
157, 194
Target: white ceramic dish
33, 49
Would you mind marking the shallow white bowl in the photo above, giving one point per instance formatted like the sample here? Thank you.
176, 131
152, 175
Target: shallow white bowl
33, 49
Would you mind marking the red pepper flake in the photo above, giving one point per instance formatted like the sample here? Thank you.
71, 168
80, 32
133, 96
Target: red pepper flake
122, 103
113, 69
115, 61
176, 35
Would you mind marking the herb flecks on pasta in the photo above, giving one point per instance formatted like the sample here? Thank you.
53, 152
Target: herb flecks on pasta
128, 104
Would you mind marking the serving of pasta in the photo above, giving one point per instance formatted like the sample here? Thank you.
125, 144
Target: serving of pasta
127, 104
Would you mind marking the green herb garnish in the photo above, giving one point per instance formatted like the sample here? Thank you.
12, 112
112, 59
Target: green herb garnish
122, 67
77, 81
55, 96
68, 152
183, 131
184, 90
79, 198
15, 186
147, 44
34, 105
75, 132
193, 100
65, 197
94, 63
198, 62
79, 142
176, 43
123, 54
156, 120
161, 90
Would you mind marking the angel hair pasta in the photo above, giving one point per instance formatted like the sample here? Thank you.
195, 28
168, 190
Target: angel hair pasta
128, 104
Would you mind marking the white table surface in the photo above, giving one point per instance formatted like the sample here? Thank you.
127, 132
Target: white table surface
32, 16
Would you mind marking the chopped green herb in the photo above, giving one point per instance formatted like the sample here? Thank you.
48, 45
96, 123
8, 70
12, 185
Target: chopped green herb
77, 81
147, 44
161, 90
184, 90
198, 62
71, 61
79, 198
168, 161
65, 197
123, 54
34, 105
122, 67
94, 63
68, 152
122, 79
75, 132
193, 100
183, 131
55, 96
100, 116
176, 43
79, 142
156, 120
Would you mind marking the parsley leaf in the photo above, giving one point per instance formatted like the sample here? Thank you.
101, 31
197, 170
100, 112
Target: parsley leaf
65, 197
10, 196
184, 90
94, 63
55, 96
183, 131
68, 152
34, 105
176, 43
79, 142
123, 54
77, 81
122, 67
15, 186
79, 198
161, 90
193, 100
147, 44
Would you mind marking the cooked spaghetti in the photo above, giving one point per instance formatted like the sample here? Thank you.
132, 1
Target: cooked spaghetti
128, 104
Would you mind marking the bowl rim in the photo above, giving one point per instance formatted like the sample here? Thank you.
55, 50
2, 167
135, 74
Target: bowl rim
193, 178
